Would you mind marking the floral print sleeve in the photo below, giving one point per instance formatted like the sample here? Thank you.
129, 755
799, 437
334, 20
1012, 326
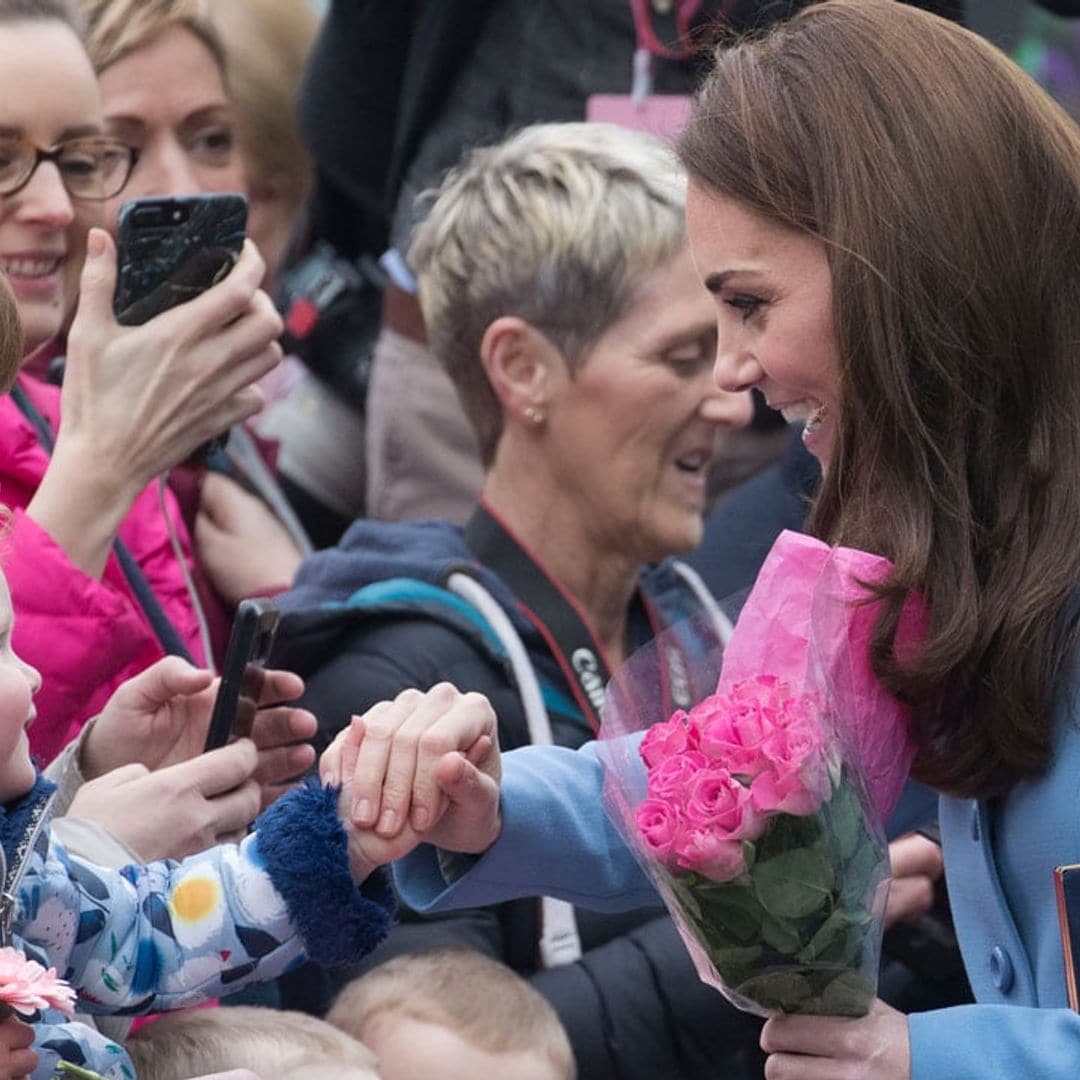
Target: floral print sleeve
171, 934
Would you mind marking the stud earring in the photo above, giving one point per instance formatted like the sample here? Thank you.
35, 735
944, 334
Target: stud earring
534, 414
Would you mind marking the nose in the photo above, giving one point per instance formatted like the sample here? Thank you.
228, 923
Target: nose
45, 200
727, 409
164, 168
735, 369
32, 676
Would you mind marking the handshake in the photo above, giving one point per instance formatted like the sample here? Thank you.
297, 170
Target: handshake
423, 768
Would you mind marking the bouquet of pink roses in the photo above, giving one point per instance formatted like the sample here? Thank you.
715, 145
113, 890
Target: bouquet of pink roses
759, 811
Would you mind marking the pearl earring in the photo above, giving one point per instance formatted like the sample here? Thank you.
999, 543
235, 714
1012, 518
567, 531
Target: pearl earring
534, 414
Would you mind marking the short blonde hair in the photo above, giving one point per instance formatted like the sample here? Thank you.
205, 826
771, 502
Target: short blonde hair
267, 44
480, 1000
270, 1042
557, 225
116, 28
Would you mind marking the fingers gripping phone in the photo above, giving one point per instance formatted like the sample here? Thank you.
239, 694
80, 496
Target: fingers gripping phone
242, 675
172, 249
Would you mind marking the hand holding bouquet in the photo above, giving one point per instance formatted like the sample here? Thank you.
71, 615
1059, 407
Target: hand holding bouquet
759, 812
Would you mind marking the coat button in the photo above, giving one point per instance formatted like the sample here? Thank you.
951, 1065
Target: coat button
1001, 969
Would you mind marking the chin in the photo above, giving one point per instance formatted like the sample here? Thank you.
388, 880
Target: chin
673, 542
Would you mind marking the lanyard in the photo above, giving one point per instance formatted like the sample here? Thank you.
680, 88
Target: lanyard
164, 631
559, 619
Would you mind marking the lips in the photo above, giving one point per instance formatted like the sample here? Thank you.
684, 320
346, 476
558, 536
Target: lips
693, 461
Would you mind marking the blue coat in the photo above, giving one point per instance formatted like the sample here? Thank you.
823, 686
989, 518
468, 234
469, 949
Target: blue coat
999, 856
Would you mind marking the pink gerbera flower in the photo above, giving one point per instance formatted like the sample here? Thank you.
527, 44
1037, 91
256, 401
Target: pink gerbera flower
26, 986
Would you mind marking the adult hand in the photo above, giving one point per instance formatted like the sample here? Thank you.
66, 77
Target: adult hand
180, 809
422, 768
137, 400
17, 1060
874, 1047
242, 546
161, 716
917, 864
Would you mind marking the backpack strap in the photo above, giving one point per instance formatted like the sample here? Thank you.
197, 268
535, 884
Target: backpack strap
560, 942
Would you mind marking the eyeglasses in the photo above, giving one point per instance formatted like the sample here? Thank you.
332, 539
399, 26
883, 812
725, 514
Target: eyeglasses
91, 169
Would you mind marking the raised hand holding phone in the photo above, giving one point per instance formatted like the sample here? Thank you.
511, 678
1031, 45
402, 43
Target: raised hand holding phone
138, 400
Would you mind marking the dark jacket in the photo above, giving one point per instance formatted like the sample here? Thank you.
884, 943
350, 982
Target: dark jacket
633, 1005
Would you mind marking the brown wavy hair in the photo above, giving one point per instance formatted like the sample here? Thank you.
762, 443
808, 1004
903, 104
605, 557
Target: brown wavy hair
946, 187
11, 336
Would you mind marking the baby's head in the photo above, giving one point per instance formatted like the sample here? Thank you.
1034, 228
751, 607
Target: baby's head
454, 1014
271, 1042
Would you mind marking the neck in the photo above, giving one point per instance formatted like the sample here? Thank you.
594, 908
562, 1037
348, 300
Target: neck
578, 558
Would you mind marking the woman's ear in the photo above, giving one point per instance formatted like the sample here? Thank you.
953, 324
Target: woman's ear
522, 366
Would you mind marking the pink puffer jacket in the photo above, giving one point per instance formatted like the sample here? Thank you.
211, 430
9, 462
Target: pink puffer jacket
85, 636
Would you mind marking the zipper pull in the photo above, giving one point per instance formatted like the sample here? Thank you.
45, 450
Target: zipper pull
7, 913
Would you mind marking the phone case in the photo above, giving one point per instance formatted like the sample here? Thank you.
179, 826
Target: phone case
238, 693
170, 250
1067, 890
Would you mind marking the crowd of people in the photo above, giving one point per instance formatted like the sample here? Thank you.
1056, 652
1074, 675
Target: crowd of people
549, 320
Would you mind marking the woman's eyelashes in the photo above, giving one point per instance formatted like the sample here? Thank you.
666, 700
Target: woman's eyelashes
213, 146
745, 304
690, 358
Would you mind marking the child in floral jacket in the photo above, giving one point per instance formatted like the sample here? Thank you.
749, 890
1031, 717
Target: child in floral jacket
168, 934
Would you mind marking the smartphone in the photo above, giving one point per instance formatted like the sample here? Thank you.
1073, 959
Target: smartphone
172, 249
243, 673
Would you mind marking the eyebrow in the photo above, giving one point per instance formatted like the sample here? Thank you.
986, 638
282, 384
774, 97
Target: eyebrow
81, 131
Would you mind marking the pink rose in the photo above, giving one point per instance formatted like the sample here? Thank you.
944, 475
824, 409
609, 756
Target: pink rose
718, 802
732, 733
666, 739
658, 823
775, 793
710, 854
792, 748
672, 778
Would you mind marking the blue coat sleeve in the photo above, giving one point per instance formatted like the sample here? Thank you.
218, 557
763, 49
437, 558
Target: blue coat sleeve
556, 840
987, 1042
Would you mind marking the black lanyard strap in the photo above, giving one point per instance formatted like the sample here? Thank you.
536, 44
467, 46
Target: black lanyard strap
163, 629
557, 616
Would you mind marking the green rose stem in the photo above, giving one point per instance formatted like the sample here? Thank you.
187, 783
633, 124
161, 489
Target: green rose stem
65, 1068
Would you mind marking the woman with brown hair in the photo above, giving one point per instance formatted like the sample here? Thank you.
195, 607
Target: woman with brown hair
887, 212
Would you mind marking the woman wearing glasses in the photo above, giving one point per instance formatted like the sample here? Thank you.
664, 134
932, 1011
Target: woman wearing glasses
97, 557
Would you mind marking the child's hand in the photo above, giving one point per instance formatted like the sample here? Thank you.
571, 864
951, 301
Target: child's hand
17, 1060
160, 717
422, 768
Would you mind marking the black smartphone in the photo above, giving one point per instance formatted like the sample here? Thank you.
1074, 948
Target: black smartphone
171, 249
243, 672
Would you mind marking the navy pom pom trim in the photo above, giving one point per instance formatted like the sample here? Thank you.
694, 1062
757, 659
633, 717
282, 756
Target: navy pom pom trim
306, 854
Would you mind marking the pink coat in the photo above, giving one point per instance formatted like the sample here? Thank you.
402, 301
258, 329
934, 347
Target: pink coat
85, 636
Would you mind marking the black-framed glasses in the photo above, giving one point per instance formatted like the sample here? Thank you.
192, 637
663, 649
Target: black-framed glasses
92, 168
